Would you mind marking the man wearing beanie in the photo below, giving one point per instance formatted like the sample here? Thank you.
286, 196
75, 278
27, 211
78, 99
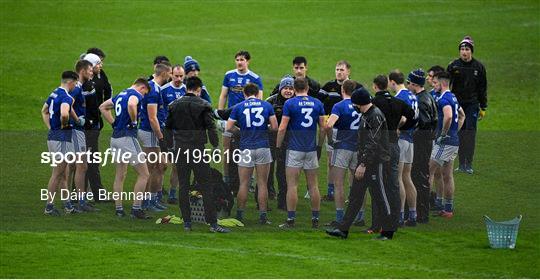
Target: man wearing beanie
422, 139
99, 84
469, 84
373, 170
192, 69
285, 92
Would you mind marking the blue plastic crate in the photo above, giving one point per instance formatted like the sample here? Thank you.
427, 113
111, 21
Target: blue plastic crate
502, 234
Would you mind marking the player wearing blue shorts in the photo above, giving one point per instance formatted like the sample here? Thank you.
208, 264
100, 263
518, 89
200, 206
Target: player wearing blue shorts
150, 134
445, 148
407, 190
78, 119
346, 120
124, 141
253, 117
301, 114
169, 93
55, 114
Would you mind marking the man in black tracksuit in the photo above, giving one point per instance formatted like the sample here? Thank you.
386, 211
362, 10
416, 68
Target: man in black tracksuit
99, 89
373, 170
423, 142
286, 91
191, 119
393, 109
469, 84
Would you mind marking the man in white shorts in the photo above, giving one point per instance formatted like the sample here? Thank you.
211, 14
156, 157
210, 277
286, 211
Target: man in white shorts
445, 148
346, 120
55, 114
301, 114
253, 117
124, 141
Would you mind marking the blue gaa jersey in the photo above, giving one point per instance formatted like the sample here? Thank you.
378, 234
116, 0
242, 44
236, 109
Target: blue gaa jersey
252, 116
347, 125
434, 93
411, 100
448, 99
55, 101
169, 93
304, 113
122, 120
79, 104
235, 82
153, 97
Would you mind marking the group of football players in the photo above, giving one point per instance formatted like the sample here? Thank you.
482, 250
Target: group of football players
280, 137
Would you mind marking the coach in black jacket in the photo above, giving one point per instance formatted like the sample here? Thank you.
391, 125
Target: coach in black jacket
191, 120
101, 90
286, 91
423, 142
373, 170
469, 84
393, 109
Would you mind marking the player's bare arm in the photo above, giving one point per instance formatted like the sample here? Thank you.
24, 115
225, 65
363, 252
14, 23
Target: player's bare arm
447, 119
461, 118
64, 114
46, 116
282, 130
222, 98
106, 110
273, 123
133, 104
152, 117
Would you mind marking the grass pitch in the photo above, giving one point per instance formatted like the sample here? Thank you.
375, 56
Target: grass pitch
40, 39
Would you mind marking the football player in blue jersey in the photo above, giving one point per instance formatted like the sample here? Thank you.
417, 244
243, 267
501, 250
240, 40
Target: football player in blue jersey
437, 201
253, 116
446, 146
192, 69
232, 90
346, 120
407, 190
301, 114
55, 113
150, 133
126, 106
169, 93
235, 80
78, 118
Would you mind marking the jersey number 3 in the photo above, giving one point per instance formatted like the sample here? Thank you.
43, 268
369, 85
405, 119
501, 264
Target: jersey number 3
307, 116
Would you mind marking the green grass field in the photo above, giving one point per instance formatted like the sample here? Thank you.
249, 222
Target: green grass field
39, 39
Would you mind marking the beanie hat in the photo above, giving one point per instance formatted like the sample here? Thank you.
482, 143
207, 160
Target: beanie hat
417, 77
287, 81
361, 96
191, 64
92, 58
467, 42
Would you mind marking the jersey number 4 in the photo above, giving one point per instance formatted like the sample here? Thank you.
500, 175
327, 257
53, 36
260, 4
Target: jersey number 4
258, 116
